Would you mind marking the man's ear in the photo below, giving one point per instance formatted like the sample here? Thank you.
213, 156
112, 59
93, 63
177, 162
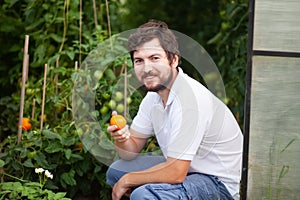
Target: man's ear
175, 61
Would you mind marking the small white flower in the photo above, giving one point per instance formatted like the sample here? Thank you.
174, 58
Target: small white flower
39, 170
48, 174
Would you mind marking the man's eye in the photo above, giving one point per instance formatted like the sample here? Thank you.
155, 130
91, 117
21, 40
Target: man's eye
155, 58
137, 62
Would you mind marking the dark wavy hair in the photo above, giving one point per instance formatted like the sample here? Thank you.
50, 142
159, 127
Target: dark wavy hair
151, 30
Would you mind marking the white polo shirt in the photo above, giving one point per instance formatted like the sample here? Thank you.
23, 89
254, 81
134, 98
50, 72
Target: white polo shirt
194, 125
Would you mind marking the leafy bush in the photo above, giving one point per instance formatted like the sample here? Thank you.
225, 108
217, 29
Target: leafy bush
58, 146
31, 190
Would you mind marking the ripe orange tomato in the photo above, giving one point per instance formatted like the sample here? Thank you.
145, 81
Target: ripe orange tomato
118, 120
26, 125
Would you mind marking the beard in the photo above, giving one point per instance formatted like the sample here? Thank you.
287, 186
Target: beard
159, 87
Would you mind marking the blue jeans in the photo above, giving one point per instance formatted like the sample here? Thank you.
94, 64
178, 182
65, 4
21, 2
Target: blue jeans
195, 186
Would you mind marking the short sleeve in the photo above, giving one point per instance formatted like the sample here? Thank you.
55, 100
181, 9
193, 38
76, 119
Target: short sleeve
142, 121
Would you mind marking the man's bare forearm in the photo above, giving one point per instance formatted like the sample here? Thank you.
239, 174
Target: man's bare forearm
172, 171
127, 150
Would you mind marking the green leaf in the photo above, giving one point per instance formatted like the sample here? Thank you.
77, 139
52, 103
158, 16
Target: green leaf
68, 178
71, 54
2, 163
50, 194
97, 169
110, 74
11, 186
53, 147
59, 195
33, 184
68, 153
40, 158
38, 143
68, 141
51, 135
216, 38
56, 38
28, 163
76, 157
34, 24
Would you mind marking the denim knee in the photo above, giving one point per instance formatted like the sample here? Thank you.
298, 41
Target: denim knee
113, 174
110, 174
142, 193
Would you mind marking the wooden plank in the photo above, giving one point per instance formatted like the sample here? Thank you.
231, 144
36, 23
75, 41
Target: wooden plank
277, 25
274, 139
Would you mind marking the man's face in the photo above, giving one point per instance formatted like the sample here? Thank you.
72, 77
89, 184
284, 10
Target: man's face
152, 66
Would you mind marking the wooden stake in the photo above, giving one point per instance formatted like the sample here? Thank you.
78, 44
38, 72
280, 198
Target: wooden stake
108, 22
44, 94
95, 13
56, 76
24, 77
56, 86
76, 65
125, 89
80, 29
33, 109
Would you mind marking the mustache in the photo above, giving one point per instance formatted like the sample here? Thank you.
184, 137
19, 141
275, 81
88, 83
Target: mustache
145, 75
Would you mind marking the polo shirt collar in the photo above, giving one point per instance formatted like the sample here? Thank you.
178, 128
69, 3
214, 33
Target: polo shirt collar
175, 87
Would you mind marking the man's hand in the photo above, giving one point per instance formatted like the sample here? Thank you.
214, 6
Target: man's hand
127, 143
172, 171
119, 136
119, 189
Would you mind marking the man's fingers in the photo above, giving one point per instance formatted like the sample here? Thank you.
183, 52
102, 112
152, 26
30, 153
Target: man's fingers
120, 137
114, 113
112, 128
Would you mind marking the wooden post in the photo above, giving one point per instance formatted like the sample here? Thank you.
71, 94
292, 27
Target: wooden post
56, 86
56, 76
33, 109
24, 77
80, 29
108, 23
95, 13
125, 89
44, 94
76, 65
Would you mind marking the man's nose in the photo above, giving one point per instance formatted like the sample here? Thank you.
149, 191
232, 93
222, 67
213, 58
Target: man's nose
147, 66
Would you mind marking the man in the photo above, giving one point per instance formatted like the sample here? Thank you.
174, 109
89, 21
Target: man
199, 137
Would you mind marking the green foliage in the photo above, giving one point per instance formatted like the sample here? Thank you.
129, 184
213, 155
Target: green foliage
194, 18
8, 115
53, 27
61, 153
31, 190
230, 53
59, 146
28, 190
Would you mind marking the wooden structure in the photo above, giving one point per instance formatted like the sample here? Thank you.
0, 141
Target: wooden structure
272, 110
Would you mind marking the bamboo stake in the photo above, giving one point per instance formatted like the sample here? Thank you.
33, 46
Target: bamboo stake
56, 86
76, 65
44, 94
24, 77
33, 109
56, 76
125, 89
80, 29
108, 23
95, 13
